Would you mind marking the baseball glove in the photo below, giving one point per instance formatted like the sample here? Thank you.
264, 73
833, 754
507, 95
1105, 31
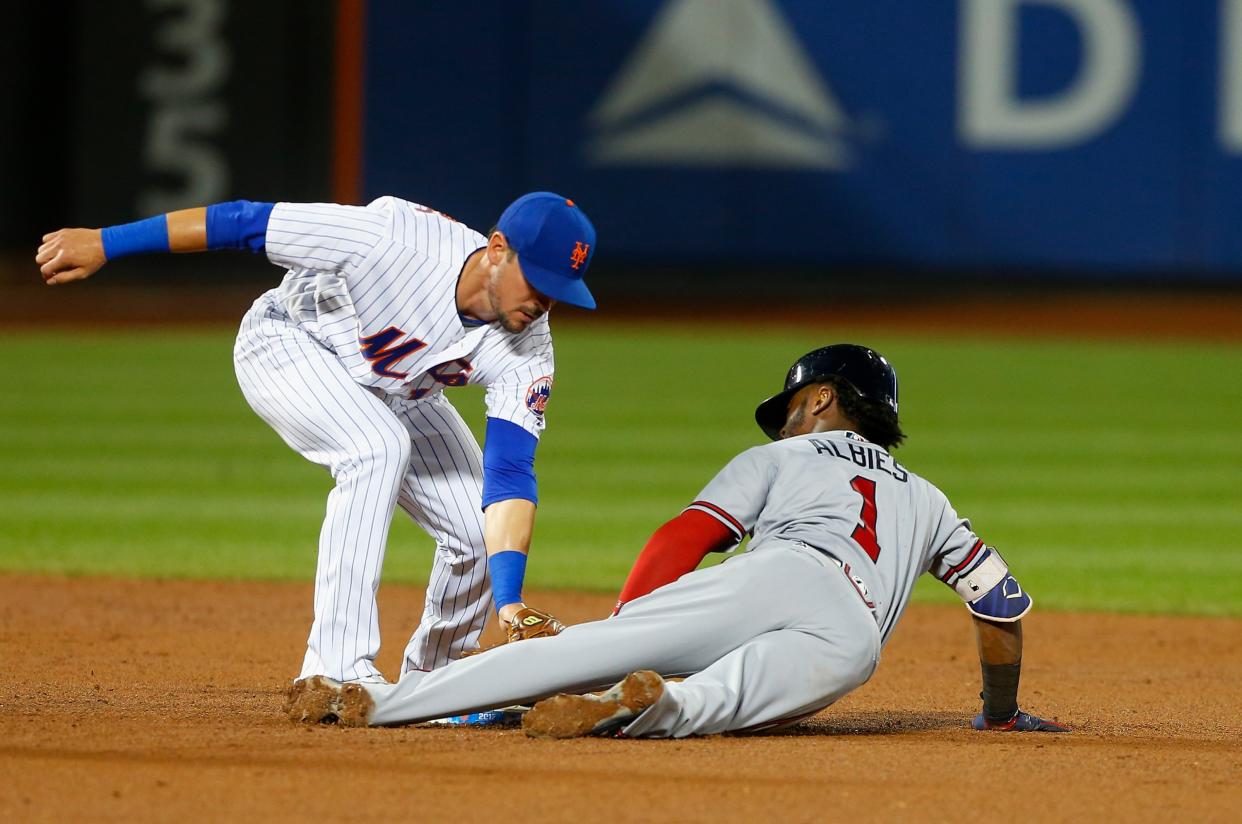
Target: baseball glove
525, 624
532, 623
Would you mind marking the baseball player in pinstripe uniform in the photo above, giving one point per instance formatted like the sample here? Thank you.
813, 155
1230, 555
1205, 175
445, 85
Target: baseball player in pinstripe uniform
381, 308
841, 532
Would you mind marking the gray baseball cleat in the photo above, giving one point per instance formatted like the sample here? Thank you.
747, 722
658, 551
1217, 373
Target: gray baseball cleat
321, 700
574, 716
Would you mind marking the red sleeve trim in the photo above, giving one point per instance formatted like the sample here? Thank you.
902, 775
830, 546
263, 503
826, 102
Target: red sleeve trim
730, 521
958, 568
675, 549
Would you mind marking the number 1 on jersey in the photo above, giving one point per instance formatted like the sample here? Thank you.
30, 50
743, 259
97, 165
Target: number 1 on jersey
864, 534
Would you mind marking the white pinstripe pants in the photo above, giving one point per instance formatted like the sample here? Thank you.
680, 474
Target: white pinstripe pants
382, 451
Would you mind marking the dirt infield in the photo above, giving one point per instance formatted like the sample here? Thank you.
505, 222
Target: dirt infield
125, 700
161, 700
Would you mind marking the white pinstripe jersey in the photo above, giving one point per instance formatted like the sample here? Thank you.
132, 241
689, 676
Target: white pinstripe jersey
840, 493
377, 285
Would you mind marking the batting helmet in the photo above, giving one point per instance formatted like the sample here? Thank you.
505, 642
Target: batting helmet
864, 369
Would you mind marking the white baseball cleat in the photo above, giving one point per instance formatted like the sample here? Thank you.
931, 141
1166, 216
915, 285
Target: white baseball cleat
321, 700
574, 716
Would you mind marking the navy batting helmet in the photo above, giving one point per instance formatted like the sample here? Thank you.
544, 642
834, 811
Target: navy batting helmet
864, 369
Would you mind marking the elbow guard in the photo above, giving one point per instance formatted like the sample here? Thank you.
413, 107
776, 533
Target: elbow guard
991, 593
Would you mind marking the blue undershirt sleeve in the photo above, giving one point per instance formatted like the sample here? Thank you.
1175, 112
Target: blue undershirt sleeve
508, 463
238, 224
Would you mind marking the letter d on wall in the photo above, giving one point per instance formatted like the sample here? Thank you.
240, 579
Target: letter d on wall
1231, 76
990, 113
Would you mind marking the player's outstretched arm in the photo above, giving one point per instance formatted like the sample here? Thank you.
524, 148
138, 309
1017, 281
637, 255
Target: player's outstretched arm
1000, 658
507, 528
67, 255
75, 254
997, 603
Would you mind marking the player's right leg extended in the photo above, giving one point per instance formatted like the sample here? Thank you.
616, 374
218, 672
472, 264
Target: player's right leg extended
305, 394
688, 626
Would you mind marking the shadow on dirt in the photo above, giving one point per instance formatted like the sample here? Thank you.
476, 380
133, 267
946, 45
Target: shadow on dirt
873, 723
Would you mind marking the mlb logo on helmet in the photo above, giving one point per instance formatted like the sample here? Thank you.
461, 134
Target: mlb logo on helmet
537, 394
554, 241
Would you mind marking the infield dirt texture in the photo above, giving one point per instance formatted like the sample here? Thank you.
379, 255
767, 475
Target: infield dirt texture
128, 697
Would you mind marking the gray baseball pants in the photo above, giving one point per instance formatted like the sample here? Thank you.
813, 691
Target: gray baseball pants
766, 638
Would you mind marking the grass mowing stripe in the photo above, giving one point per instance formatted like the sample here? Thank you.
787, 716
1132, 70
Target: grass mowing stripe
188, 508
1108, 473
1070, 514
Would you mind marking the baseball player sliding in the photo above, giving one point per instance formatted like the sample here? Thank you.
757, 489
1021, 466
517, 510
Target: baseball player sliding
382, 307
841, 533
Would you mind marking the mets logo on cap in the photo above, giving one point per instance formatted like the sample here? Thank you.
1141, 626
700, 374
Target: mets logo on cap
537, 395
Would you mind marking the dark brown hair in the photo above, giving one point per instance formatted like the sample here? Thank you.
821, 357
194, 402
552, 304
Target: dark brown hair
875, 421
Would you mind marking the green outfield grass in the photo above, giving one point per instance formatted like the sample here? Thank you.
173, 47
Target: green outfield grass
1110, 474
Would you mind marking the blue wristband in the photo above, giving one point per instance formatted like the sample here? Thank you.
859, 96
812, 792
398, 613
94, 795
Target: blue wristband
140, 237
508, 570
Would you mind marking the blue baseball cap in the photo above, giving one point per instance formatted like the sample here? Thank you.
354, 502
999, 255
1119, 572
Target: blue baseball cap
555, 242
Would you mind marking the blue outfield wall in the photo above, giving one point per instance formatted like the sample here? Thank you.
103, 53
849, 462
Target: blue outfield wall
1102, 136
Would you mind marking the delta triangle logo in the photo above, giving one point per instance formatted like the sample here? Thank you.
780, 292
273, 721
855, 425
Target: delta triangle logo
719, 83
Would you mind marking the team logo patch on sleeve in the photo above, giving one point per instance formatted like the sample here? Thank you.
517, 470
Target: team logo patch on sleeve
537, 395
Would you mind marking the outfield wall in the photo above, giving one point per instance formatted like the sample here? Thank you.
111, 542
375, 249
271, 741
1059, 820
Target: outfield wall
1103, 136
115, 110
989, 141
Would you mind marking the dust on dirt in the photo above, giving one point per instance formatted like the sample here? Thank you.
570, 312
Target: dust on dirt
154, 700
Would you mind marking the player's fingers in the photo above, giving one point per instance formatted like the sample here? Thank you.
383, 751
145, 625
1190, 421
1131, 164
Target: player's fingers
57, 263
50, 235
49, 250
65, 277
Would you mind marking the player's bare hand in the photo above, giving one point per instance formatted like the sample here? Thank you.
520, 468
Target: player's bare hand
70, 254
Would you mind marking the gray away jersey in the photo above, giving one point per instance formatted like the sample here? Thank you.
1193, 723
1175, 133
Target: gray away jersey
376, 284
838, 492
